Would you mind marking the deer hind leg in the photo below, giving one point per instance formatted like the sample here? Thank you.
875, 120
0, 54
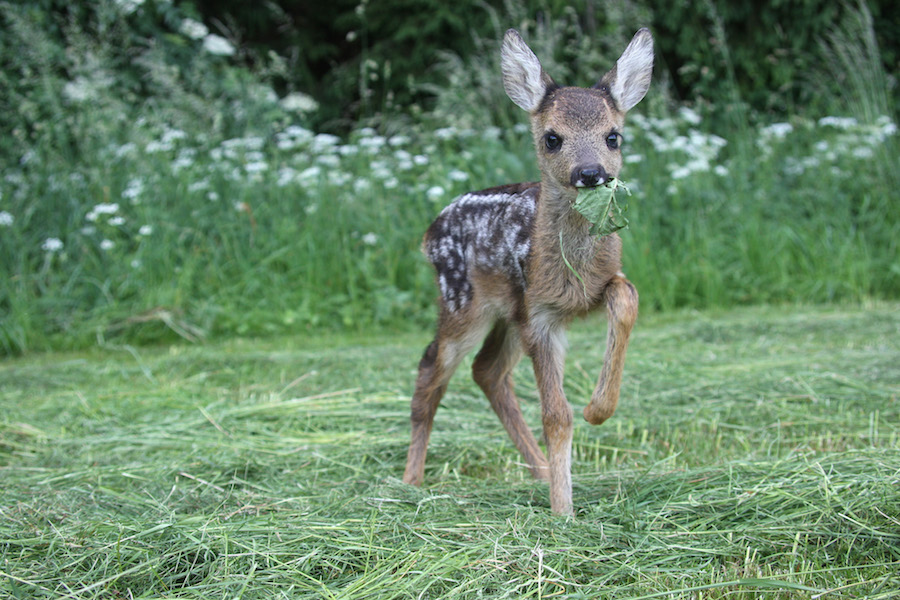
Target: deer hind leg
622, 309
438, 364
492, 371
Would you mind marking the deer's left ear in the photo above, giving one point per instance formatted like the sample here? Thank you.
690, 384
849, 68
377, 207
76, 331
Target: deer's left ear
629, 80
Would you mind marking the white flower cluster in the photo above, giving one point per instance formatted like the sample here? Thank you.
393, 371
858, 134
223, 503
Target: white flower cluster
842, 140
688, 149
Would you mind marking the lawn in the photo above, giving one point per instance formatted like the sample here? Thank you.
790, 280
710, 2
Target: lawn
755, 454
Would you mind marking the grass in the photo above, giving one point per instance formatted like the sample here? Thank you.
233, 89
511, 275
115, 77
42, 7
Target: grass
756, 453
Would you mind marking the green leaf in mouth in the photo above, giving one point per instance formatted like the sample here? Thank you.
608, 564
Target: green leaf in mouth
599, 206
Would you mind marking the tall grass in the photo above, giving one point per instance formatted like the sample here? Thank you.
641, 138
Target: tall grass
207, 208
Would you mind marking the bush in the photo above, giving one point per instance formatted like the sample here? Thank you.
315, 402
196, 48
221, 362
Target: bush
155, 187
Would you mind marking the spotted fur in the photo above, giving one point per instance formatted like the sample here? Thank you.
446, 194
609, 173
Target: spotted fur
489, 231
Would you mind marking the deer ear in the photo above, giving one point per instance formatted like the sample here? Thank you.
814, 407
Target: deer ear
525, 81
629, 80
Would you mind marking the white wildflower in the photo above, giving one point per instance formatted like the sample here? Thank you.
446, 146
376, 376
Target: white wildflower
6, 219
216, 44
133, 190
398, 140
198, 186
380, 169
171, 135
129, 6
154, 146
126, 149
776, 130
838, 122
52, 245
679, 172
297, 133
310, 173
457, 175
145, 230
184, 160
107, 245
257, 166
299, 103
325, 141
370, 239
372, 144
689, 115
79, 90
193, 29
420, 160
117, 221
435, 192
339, 178
328, 160
104, 208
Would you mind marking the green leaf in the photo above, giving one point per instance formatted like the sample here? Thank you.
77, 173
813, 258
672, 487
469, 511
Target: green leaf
599, 206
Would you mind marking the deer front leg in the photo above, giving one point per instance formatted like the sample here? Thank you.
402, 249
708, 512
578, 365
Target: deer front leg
622, 309
547, 349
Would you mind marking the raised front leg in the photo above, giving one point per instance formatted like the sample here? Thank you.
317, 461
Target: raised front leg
546, 345
622, 309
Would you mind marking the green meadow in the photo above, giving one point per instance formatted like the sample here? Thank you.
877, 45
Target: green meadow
212, 304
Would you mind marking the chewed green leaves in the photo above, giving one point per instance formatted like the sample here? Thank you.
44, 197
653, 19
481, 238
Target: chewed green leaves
601, 208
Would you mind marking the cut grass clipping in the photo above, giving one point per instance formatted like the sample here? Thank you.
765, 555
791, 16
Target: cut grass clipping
599, 206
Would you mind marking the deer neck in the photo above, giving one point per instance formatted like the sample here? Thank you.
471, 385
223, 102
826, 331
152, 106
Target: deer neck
557, 219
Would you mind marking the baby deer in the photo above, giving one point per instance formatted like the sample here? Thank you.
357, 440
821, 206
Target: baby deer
500, 256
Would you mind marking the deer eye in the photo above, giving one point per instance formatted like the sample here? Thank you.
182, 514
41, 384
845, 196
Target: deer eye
553, 142
613, 140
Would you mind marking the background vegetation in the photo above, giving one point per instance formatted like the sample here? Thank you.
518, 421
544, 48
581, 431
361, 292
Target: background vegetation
258, 176
179, 169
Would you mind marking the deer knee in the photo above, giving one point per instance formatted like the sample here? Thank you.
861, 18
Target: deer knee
558, 420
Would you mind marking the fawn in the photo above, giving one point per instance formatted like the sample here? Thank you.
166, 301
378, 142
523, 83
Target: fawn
500, 256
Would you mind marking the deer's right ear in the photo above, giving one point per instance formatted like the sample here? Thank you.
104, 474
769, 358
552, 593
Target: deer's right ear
525, 81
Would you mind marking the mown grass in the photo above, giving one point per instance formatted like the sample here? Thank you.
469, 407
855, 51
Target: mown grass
756, 453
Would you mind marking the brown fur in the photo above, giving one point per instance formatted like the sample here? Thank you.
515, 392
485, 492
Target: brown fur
488, 304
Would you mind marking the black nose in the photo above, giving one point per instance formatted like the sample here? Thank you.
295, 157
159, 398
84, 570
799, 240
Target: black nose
589, 176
